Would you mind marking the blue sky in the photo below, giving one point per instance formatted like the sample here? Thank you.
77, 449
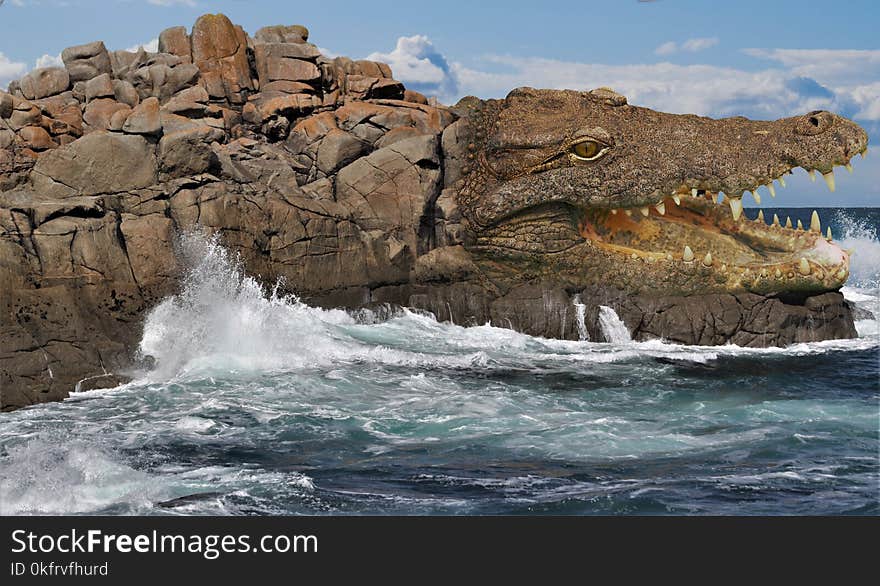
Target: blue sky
762, 59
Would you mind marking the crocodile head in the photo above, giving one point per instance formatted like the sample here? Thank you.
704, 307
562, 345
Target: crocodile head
584, 188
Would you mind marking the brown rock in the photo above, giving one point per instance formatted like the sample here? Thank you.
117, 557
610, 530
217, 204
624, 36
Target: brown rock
219, 49
6, 105
281, 68
44, 82
63, 108
337, 149
117, 120
144, 119
6, 138
83, 62
125, 93
190, 102
100, 87
282, 34
188, 152
99, 112
288, 87
415, 97
36, 138
101, 163
175, 41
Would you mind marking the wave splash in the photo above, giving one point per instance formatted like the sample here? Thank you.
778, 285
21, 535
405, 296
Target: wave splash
224, 319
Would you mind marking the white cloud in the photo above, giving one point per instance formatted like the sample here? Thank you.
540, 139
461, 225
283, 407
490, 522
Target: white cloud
691, 46
699, 44
151, 46
827, 65
49, 61
420, 65
10, 70
667, 48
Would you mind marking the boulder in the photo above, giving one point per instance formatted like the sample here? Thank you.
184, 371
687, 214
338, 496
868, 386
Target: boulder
99, 112
6, 105
44, 82
175, 41
101, 162
125, 93
100, 87
337, 149
282, 34
144, 119
36, 138
219, 50
161, 81
188, 151
189, 102
83, 62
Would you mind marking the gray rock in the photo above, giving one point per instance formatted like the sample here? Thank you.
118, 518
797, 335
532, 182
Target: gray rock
83, 62
188, 152
125, 93
100, 87
337, 149
101, 163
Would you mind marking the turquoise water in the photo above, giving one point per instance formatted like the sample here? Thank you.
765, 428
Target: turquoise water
261, 405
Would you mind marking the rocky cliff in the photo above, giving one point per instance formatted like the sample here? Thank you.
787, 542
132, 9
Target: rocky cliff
326, 173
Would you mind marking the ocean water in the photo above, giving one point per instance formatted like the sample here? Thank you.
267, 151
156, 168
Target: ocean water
259, 404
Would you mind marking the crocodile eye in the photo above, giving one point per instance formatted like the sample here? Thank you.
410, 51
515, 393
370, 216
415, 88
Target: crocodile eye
588, 150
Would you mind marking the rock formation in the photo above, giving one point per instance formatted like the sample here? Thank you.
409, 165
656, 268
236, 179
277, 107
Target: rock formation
327, 173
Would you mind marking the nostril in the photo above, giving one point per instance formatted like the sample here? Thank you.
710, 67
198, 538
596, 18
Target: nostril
814, 123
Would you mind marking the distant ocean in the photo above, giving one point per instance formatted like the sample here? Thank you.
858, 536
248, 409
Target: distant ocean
262, 405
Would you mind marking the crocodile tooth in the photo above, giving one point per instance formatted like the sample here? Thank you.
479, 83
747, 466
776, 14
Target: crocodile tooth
828, 234
850, 251
676, 199
849, 167
815, 224
812, 173
614, 211
723, 268
694, 191
864, 153
628, 212
668, 257
804, 267
829, 180
707, 260
688, 255
756, 195
788, 222
661, 208
760, 217
799, 225
841, 274
645, 211
775, 220
777, 273
736, 207
771, 189
781, 181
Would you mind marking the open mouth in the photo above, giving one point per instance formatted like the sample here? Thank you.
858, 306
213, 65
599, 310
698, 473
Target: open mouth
707, 230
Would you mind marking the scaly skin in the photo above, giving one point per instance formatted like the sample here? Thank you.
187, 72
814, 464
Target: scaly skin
585, 189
